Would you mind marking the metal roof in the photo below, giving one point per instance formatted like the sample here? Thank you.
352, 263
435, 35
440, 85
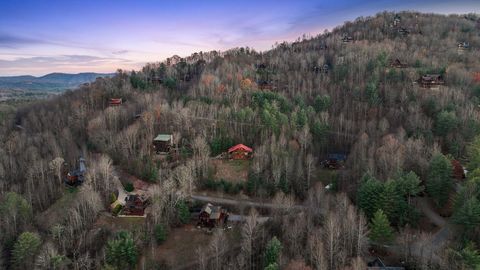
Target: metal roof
163, 137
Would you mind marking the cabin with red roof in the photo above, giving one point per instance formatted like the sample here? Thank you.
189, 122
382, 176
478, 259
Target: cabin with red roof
115, 102
240, 151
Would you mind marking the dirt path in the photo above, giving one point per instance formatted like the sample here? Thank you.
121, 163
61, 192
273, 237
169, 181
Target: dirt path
436, 242
236, 202
427, 209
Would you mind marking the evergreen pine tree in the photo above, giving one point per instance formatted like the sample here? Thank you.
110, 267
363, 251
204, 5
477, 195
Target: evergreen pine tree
380, 230
440, 184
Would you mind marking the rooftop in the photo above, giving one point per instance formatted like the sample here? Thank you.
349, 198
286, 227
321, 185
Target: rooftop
163, 137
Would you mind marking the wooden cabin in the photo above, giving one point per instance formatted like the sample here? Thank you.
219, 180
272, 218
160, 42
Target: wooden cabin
347, 39
396, 20
334, 161
162, 143
135, 205
240, 151
212, 216
321, 69
157, 80
404, 31
431, 80
76, 176
265, 85
462, 46
115, 102
397, 64
260, 66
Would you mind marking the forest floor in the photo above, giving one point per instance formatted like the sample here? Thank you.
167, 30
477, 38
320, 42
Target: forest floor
181, 247
56, 212
234, 171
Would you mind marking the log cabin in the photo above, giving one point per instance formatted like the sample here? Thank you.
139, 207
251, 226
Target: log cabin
212, 216
431, 80
162, 143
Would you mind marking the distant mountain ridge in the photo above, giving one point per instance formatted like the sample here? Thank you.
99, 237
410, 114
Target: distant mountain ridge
50, 82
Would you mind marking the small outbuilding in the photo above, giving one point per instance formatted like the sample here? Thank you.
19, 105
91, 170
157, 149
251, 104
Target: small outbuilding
212, 216
162, 143
240, 151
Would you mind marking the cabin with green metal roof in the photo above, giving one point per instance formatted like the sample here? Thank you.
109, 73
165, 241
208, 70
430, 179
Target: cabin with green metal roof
162, 143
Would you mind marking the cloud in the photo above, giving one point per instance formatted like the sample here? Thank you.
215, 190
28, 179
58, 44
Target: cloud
120, 52
64, 63
15, 41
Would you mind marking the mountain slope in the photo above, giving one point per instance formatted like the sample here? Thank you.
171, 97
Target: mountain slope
49, 82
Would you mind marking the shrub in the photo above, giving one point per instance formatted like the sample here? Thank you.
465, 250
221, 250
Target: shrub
121, 252
25, 249
160, 233
129, 187
183, 212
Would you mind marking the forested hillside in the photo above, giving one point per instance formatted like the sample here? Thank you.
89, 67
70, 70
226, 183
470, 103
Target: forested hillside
356, 90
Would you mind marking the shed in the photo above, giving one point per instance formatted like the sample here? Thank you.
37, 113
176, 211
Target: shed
162, 143
240, 151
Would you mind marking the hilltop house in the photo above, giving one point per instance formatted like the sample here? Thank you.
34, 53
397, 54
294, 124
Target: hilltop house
265, 85
404, 31
240, 151
76, 176
135, 205
396, 20
212, 216
322, 69
334, 161
431, 80
347, 39
463, 46
162, 143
